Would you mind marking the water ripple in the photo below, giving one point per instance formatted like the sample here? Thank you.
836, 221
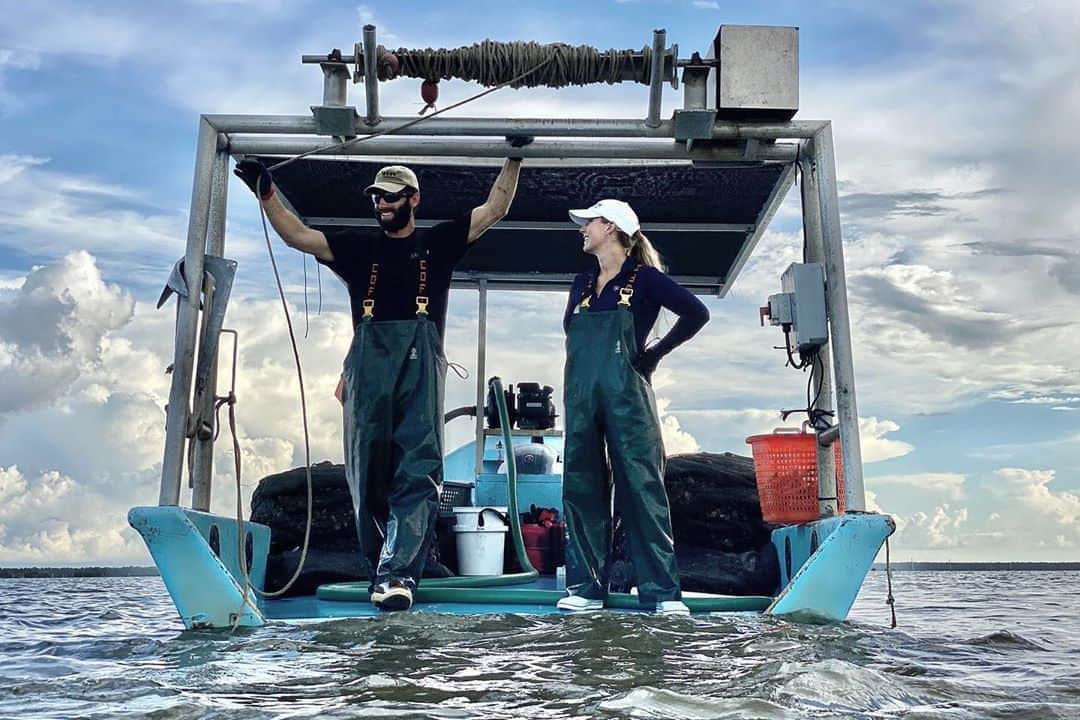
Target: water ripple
97, 648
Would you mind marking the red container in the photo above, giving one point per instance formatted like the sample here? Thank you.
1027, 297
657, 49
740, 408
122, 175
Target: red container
537, 545
785, 464
543, 545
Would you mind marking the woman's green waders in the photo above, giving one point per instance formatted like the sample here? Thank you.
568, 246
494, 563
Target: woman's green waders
394, 377
607, 400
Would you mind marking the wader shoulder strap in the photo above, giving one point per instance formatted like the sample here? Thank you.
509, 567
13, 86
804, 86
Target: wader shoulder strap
627, 291
368, 303
587, 297
421, 284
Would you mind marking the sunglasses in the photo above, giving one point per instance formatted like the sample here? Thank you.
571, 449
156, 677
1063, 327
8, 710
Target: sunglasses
390, 197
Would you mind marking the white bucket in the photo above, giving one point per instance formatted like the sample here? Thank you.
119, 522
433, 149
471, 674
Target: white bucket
480, 547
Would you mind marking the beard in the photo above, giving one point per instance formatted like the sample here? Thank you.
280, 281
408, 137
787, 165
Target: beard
400, 219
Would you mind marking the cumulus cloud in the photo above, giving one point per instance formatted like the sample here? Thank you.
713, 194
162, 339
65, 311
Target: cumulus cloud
1053, 515
43, 519
51, 329
939, 529
947, 485
1013, 513
875, 446
676, 440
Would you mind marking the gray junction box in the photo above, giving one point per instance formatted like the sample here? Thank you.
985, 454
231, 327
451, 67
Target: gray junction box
758, 73
805, 283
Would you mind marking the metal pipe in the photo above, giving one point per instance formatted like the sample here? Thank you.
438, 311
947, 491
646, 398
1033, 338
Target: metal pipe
176, 421
563, 149
647, 227
203, 464
371, 79
840, 326
481, 361
498, 127
821, 378
656, 77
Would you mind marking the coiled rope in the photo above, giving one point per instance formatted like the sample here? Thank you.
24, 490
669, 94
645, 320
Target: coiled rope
494, 63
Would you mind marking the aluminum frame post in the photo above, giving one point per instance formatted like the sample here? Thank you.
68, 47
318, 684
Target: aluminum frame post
203, 463
656, 77
847, 410
371, 78
481, 361
187, 316
821, 376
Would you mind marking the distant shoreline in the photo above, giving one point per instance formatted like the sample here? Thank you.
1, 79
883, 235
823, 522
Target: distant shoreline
90, 571
910, 565
150, 571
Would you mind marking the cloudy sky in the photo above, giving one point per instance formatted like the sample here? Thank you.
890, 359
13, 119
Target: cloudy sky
953, 124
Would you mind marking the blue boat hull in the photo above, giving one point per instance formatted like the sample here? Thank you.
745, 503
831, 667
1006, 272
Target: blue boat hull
822, 564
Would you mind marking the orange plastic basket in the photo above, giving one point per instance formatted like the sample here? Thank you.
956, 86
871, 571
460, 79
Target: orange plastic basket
785, 463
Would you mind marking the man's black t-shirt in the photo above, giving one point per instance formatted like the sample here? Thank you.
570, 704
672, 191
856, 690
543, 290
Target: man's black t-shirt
355, 249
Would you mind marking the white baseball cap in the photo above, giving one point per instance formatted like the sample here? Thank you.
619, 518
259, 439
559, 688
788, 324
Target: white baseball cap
616, 211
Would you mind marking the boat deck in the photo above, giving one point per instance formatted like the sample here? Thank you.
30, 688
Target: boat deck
536, 597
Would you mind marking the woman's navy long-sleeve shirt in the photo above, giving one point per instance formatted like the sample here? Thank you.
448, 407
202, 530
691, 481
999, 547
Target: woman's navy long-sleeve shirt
652, 290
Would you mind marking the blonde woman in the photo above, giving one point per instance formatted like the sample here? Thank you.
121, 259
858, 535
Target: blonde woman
612, 427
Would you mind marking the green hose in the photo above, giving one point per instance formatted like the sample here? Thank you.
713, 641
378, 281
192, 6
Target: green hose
511, 482
358, 591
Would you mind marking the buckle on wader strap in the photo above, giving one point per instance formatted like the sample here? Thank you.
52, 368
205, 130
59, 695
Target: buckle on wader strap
627, 291
421, 304
369, 303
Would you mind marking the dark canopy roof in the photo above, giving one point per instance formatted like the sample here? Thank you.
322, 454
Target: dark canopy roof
703, 219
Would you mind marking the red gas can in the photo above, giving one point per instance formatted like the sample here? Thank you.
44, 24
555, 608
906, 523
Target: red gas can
538, 546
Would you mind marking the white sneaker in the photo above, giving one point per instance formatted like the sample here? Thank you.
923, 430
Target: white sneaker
672, 607
576, 603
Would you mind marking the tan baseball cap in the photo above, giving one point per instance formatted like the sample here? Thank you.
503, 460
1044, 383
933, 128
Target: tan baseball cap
392, 179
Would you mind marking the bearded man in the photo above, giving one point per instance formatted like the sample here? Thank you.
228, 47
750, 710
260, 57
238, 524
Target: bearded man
391, 388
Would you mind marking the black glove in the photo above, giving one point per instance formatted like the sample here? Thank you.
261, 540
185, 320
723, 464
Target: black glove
516, 142
255, 176
646, 362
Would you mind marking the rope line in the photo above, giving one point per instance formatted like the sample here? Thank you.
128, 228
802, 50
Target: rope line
490, 62
307, 452
889, 600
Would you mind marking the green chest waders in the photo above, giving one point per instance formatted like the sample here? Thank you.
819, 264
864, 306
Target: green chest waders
395, 373
613, 437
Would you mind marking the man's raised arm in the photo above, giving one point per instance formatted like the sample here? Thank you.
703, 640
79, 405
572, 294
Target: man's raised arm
295, 233
502, 192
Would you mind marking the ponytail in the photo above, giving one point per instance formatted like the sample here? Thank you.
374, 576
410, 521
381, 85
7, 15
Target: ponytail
642, 250
644, 253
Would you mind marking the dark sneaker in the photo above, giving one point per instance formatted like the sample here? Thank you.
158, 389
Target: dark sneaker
391, 596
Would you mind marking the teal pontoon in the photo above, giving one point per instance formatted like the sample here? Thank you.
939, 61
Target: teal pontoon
706, 182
